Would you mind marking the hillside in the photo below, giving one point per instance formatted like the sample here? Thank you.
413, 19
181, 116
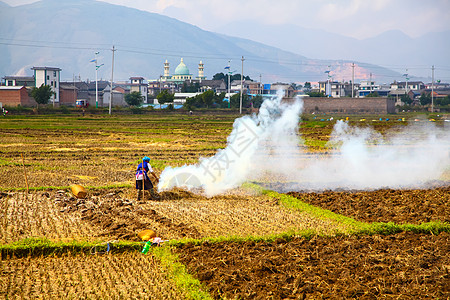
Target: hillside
66, 34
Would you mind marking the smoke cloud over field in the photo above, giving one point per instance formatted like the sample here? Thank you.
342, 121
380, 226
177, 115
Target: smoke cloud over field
267, 147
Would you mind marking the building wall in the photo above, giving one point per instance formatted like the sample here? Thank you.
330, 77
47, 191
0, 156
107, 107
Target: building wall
347, 105
67, 97
15, 97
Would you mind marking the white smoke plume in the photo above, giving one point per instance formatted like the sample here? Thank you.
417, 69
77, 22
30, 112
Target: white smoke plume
230, 167
267, 147
411, 158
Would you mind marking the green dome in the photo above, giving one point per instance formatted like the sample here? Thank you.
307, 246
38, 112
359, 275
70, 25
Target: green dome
181, 69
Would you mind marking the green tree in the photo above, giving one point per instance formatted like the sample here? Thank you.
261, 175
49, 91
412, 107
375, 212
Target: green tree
316, 94
218, 100
373, 94
219, 76
190, 103
42, 94
236, 99
406, 99
184, 88
424, 99
443, 101
165, 97
208, 98
307, 86
134, 98
257, 101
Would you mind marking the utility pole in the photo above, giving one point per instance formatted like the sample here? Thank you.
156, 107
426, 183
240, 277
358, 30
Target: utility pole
260, 85
327, 86
96, 80
406, 85
242, 85
74, 88
97, 66
229, 88
353, 78
432, 88
112, 80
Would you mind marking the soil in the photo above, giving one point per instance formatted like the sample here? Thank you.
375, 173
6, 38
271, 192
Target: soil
400, 266
118, 217
385, 205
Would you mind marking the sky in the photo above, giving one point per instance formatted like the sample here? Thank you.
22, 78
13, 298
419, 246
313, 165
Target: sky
346, 17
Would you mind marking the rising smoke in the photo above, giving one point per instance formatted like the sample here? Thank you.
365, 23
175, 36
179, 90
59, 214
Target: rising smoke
267, 147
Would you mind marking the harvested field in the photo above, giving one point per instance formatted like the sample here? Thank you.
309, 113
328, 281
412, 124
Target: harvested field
386, 205
400, 266
37, 215
245, 245
115, 214
117, 276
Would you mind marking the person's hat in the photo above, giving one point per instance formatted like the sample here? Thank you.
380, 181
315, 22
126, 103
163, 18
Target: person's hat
146, 158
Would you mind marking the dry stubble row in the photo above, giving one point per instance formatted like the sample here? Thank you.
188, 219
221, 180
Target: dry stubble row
109, 276
37, 215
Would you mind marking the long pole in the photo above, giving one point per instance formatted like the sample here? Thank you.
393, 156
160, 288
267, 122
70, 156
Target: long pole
74, 93
229, 88
432, 88
242, 85
406, 86
112, 80
353, 78
260, 84
96, 80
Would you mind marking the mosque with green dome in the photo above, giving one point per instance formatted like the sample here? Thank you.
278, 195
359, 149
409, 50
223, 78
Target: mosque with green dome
181, 73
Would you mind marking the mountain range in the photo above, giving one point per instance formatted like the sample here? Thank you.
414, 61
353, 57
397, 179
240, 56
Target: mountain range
393, 49
66, 34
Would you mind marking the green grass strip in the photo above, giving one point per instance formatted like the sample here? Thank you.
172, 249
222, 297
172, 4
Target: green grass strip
36, 247
392, 228
296, 204
357, 227
177, 272
288, 235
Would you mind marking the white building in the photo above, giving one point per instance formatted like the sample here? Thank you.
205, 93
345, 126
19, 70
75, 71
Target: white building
333, 89
48, 76
138, 85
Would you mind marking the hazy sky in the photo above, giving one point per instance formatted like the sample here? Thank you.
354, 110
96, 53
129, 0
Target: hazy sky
355, 18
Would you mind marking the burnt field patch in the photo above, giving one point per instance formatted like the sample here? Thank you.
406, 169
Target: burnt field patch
385, 205
400, 266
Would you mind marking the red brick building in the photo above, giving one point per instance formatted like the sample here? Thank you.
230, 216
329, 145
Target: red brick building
68, 94
15, 95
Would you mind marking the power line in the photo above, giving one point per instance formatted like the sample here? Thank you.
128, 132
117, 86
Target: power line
164, 52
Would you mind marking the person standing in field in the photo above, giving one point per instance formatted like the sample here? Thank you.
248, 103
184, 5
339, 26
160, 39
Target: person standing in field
143, 182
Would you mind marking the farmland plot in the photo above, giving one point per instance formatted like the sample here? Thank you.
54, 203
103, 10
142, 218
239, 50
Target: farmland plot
101, 153
117, 276
385, 205
114, 214
38, 216
400, 266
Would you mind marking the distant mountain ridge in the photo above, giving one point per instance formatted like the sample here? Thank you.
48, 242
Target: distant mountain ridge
392, 48
66, 34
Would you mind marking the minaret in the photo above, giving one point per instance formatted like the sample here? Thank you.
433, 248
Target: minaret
201, 74
166, 69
